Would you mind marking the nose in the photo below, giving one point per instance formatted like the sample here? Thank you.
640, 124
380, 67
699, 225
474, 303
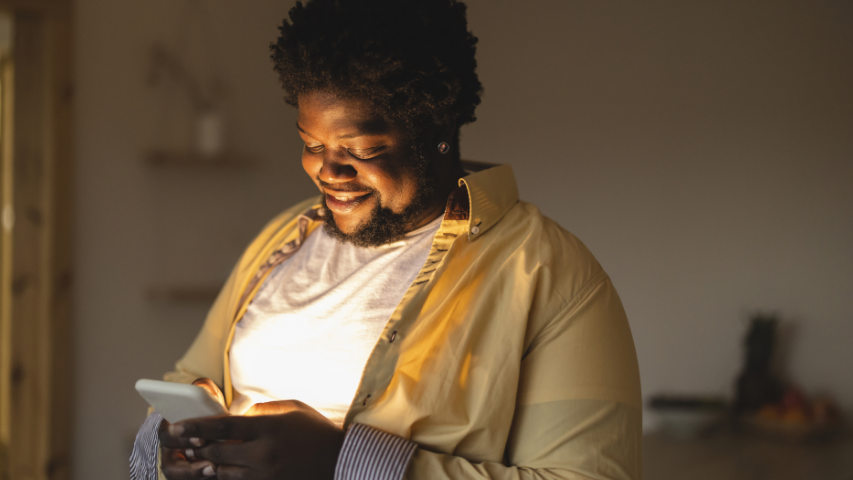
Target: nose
337, 168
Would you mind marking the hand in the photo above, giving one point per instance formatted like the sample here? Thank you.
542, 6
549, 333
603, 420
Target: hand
298, 444
211, 389
176, 459
274, 408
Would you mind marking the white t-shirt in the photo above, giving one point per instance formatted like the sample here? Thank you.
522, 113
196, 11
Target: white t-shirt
309, 330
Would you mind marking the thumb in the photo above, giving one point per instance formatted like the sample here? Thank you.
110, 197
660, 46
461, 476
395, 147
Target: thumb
210, 387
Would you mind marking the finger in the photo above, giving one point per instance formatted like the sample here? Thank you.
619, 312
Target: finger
232, 472
203, 469
211, 388
179, 442
219, 428
222, 453
274, 408
168, 440
169, 456
188, 470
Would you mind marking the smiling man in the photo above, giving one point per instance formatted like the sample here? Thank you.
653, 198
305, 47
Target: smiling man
377, 182
413, 320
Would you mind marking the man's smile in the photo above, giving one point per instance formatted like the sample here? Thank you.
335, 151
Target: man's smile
377, 182
344, 203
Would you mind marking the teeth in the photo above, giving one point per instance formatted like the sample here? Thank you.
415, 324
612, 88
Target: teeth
344, 199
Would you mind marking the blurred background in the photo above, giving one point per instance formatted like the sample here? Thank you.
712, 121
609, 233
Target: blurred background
702, 150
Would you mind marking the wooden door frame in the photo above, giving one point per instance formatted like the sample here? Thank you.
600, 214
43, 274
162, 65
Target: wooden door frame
35, 363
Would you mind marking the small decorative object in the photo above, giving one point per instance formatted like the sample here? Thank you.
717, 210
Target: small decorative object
687, 416
770, 407
192, 62
757, 385
796, 418
205, 100
209, 126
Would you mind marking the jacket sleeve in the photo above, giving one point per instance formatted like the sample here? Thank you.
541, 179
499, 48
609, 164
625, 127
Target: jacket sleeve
578, 411
573, 440
144, 456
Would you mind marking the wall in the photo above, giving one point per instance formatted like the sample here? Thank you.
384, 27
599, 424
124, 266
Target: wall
140, 226
702, 150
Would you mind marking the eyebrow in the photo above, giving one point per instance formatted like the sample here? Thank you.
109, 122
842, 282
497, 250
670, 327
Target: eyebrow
351, 135
303, 130
369, 131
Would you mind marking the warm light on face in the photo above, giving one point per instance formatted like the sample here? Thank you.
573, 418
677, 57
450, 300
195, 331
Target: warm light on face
366, 168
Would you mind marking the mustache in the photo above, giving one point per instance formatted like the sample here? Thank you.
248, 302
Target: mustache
344, 187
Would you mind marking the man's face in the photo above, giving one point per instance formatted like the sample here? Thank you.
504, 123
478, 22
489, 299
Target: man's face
376, 185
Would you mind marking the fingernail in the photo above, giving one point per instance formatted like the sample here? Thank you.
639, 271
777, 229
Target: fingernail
195, 441
208, 471
176, 430
189, 453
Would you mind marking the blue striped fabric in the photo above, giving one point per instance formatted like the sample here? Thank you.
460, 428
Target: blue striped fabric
370, 454
143, 459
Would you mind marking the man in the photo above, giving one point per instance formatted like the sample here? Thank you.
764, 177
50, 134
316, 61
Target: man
413, 320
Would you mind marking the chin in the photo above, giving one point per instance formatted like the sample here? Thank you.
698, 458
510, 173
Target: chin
347, 224
377, 226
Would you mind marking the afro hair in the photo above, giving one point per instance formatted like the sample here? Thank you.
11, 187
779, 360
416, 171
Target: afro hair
413, 59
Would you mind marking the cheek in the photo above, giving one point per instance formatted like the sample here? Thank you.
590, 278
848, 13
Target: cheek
399, 188
311, 164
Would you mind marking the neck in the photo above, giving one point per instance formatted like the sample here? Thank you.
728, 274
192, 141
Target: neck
447, 180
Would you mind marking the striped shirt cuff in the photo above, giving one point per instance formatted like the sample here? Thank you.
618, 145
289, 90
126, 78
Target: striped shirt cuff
143, 459
370, 454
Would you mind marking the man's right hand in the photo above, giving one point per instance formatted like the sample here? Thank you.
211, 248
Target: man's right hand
177, 460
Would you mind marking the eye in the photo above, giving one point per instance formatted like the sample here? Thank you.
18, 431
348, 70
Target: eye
314, 148
366, 154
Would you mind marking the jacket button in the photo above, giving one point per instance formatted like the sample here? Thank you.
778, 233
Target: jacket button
393, 336
475, 230
365, 400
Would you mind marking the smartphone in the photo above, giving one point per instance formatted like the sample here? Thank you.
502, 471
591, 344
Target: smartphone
178, 401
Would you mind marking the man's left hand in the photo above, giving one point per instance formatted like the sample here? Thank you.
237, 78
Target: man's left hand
299, 443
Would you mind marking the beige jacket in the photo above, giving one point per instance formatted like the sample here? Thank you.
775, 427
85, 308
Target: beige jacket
509, 357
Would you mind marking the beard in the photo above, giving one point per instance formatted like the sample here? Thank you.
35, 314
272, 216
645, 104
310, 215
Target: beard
384, 226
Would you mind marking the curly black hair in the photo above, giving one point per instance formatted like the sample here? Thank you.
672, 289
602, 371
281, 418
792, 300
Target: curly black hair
413, 59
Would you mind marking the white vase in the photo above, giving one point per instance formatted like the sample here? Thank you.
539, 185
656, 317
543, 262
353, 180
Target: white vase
209, 133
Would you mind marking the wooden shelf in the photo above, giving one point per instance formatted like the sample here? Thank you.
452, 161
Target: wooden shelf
198, 294
169, 158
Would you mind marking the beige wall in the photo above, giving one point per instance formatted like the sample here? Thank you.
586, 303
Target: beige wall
140, 226
702, 150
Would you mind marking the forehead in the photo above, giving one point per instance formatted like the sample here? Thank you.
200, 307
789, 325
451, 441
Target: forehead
327, 114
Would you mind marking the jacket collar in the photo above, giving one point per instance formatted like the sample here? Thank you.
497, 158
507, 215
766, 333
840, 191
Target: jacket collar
483, 198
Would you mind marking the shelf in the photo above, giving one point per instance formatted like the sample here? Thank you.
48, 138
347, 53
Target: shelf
186, 294
168, 158
735, 455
